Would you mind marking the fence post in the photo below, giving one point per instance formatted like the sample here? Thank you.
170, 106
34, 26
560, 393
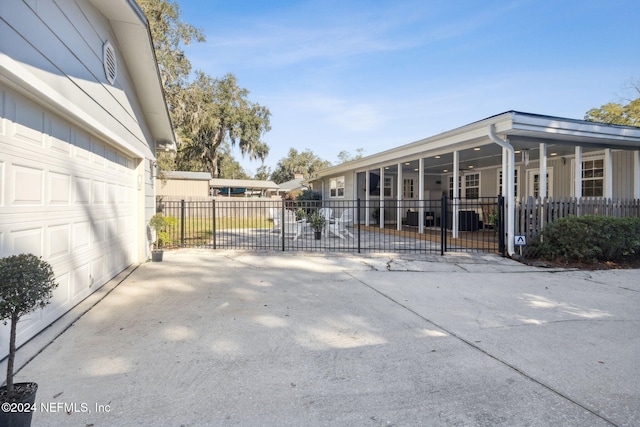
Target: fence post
358, 221
213, 236
282, 224
182, 222
443, 225
501, 242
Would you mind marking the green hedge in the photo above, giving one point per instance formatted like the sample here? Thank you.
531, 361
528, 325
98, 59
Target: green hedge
590, 238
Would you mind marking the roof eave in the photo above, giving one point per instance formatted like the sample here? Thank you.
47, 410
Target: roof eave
133, 35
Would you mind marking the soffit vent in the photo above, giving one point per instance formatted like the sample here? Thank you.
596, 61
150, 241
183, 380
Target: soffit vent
109, 62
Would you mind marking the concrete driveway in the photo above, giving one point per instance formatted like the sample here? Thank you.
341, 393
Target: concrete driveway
272, 339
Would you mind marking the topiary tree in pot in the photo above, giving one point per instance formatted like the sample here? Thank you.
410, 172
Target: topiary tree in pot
26, 284
161, 224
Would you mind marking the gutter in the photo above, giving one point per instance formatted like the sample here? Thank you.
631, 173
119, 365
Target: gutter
510, 190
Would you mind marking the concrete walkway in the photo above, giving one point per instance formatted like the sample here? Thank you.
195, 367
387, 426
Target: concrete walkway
272, 339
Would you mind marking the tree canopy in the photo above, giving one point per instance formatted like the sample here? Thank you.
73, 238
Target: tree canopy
217, 110
205, 111
618, 113
344, 156
305, 163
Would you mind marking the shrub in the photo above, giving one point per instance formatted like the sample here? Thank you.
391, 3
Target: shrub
26, 284
161, 224
309, 195
590, 238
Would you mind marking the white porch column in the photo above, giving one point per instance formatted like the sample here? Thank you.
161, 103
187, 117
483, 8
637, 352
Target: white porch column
399, 198
421, 195
505, 173
543, 171
382, 197
636, 174
543, 180
456, 194
577, 177
608, 173
367, 197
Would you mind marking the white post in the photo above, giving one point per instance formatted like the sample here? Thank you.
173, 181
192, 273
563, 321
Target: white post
543, 180
381, 197
421, 195
577, 178
504, 172
399, 198
543, 171
456, 192
367, 197
608, 174
636, 174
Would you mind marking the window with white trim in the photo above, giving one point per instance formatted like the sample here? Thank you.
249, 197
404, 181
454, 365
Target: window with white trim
408, 188
336, 187
469, 187
388, 186
593, 178
472, 186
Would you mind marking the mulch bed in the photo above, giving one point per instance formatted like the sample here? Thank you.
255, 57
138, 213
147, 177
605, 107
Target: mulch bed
629, 263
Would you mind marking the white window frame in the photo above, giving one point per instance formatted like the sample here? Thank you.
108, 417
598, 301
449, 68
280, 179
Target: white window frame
466, 176
387, 186
408, 189
335, 187
596, 178
531, 173
462, 187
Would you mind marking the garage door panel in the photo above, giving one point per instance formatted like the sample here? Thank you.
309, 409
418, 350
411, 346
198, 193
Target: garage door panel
59, 188
27, 122
59, 136
59, 237
60, 301
98, 192
28, 240
2, 183
82, 190
28, 186
80, 281
81, 233
67, 197
81, 145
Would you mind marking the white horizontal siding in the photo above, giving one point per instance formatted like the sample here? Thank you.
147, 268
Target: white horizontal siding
60, 43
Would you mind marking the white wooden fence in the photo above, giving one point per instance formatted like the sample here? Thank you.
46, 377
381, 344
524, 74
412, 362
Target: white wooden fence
532, 214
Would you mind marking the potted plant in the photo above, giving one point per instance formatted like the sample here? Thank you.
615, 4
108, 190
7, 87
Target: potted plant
160, 224
26, 284
317, 223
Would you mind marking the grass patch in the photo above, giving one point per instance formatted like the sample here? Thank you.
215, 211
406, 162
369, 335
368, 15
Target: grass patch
199, 231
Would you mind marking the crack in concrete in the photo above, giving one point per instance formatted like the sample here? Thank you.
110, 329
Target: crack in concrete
493, 356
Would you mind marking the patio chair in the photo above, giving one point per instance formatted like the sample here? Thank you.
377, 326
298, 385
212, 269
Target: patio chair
327, 213
291, 226
274, 215
338, 226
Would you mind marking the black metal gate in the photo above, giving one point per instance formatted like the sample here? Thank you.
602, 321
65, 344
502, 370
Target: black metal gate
421, 226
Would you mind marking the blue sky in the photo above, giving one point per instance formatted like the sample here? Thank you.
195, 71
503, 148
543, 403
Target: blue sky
374, 74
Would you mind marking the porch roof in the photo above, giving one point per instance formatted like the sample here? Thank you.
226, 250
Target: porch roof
525, 131
251, 184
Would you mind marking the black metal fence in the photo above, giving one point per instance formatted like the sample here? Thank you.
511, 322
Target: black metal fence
422, 226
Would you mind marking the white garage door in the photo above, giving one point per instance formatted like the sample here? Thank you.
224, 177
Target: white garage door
66, 196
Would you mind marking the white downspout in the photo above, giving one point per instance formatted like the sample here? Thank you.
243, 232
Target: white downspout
507, 175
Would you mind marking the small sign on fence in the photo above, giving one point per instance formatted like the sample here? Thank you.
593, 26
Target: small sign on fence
521, 241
